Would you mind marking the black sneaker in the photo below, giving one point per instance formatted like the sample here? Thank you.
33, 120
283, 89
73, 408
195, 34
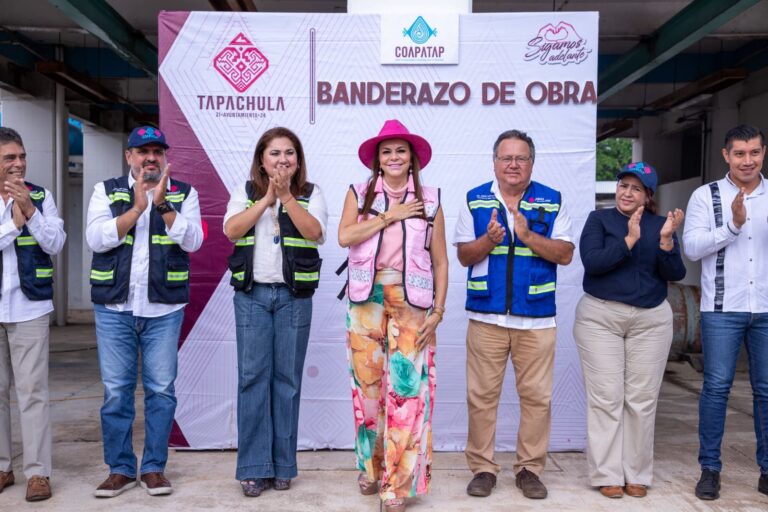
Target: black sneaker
762, 484
708, 487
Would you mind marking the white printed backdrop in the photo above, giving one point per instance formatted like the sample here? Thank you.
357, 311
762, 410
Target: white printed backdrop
213, 114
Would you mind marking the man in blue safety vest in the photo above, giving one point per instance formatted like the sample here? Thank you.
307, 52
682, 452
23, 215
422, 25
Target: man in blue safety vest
511, 233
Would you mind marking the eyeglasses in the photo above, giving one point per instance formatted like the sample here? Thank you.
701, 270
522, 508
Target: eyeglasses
519, 160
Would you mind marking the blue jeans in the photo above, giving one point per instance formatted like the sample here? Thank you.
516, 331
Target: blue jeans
722, 335
272, 336
120, 336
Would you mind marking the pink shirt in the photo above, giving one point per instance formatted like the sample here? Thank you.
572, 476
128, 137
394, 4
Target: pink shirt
391, 252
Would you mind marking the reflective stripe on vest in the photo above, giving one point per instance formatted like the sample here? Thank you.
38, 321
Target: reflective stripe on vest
519, 251
26, 240
248, 240
240, 276
484, 203
37, 196
477, 285
43, 272
102, 275
306, 276
178, 276
547, 207
162, 240
128, 240
175, 197
120, 196
542, 288
299, 242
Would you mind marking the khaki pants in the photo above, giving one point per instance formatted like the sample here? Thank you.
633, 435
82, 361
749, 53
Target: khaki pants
623, 353
533, 354
24, 354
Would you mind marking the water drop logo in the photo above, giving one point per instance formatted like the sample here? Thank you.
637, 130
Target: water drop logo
240, 63
419, 31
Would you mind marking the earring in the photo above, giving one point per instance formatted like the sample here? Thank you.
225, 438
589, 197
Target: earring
381, 172
262, 170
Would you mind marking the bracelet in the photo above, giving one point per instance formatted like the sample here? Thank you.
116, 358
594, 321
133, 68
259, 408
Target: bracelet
136, 210
289, 200
665, 246
383, 217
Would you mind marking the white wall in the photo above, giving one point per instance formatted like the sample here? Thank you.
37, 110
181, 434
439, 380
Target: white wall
675, 195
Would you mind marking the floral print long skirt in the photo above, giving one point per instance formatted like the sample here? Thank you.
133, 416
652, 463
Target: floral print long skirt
393, 390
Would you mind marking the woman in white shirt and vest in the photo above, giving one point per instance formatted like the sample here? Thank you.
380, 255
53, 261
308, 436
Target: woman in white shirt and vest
276, 220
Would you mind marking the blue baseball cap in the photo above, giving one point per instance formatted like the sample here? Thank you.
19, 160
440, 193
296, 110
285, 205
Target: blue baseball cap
642, 171
144, 135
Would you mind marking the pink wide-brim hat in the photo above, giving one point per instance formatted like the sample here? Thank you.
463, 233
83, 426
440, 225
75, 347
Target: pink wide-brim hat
394, 129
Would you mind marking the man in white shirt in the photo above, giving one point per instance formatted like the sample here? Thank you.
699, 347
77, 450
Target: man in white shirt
726, 227
30, 233
512, 233
141, 228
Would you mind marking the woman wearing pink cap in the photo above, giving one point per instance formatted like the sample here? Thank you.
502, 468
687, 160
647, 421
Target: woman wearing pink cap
397, 283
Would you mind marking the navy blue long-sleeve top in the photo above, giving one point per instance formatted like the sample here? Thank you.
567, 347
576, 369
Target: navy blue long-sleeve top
612, 272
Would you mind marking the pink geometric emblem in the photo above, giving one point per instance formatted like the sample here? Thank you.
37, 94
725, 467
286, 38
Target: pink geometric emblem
241, 63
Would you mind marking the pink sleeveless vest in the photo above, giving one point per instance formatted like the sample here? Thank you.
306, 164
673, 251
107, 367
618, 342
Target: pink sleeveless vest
417, 262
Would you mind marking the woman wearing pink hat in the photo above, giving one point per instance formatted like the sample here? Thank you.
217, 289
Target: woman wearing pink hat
397, 283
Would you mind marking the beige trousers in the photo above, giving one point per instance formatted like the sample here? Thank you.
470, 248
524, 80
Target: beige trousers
533, 355
623, 353
24, 354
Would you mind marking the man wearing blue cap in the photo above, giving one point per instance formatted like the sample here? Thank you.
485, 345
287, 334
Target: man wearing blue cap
141, 228
727, 229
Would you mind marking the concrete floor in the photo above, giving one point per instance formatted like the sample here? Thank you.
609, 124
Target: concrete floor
326, 482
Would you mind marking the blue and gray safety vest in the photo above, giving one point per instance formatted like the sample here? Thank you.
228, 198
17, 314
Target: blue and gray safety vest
168, 263
523, 284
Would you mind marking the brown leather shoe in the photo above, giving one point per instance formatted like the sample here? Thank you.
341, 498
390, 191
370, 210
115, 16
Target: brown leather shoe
6, 479
482, 484
114, 485
636, 490
530, 484
156, 484
612, 491
38, 488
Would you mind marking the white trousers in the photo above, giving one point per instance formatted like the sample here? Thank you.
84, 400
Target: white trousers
623, 352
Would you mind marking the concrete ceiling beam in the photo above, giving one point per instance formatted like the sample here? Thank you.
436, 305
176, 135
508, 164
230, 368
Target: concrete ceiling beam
101, 20
695, 21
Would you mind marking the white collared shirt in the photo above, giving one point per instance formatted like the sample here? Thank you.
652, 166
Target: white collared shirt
101, 234
465, 232
267, 255
48, 230
744, 286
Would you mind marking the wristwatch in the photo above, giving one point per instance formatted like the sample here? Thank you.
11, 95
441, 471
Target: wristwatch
165, 207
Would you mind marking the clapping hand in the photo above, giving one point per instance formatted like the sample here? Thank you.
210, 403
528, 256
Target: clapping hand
633, 225
738, 209
674, 220
495, 230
